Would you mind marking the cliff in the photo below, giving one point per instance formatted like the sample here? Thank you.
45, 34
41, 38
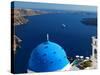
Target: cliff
18, 15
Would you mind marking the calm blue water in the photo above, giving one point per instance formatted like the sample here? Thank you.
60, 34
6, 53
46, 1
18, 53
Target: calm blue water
75, 38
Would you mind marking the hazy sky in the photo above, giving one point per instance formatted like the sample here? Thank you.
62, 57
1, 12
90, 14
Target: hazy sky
35, 5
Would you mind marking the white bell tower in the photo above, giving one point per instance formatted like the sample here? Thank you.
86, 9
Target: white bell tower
94, 46
94, 55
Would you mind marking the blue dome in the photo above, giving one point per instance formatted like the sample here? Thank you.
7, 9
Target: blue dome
47, 57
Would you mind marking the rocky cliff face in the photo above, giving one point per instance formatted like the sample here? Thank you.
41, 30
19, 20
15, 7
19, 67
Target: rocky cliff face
18, 15
17, 18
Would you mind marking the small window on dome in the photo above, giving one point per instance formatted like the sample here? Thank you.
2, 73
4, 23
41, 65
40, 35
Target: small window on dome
51, 62
44, 54
54, 52
46, 47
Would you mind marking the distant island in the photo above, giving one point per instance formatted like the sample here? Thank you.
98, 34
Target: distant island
89, 21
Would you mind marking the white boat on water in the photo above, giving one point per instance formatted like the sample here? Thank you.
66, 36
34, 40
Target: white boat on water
63, 25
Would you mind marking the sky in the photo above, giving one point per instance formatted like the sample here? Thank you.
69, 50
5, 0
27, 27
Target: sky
35, 5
